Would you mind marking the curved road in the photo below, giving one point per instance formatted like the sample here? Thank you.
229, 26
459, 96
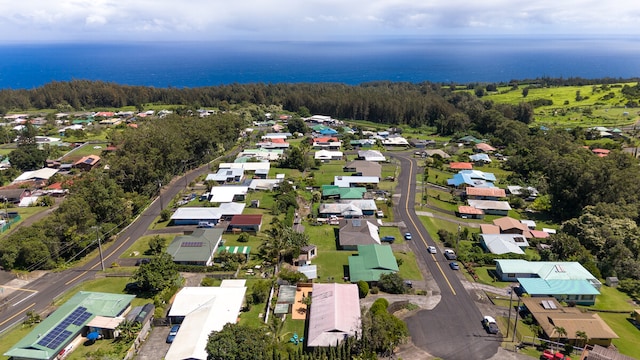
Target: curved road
39, 294
453, 329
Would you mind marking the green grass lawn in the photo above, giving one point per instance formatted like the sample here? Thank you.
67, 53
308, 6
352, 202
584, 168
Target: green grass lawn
327, 172
409, 268
629, 335
331, 264
141, 246
486, 275
84, 150
613, 299
25, 213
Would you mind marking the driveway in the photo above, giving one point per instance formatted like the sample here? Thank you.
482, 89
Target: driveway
155, 347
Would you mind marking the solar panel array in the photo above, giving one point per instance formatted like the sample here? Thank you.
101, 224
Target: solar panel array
192, 244
55, 337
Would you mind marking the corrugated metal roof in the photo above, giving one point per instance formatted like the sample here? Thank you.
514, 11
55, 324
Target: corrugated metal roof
334, 314
536, 286
371, 262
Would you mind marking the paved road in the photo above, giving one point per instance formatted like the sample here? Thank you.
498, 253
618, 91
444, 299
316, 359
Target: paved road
39, 294
452, 330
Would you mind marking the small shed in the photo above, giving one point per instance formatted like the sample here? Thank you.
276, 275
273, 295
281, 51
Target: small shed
611, 281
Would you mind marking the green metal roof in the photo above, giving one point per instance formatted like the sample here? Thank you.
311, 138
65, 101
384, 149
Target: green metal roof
197, 247
96, 303
344, 193
371, 262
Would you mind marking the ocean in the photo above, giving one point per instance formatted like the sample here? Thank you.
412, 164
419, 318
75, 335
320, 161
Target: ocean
191, 64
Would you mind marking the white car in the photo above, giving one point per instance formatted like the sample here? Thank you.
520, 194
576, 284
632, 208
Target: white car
432, 249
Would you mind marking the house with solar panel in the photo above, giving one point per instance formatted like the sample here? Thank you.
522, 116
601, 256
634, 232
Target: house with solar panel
196, 248
564, 280
67, 327
87, 163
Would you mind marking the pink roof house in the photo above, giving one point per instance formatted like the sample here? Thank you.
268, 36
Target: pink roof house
334, 315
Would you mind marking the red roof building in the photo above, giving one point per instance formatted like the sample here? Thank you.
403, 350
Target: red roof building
484, 147
248, 222
461, 166
485, 193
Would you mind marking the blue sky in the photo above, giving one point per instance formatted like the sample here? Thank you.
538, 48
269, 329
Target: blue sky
308, 20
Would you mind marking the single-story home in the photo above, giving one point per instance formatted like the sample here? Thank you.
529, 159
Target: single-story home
484, 147
437, 152
13, 195
528, 192
491, 207
327, 210
226, 175
368, 206
246, 166
245, 222
228, 193
480, 158
469, 212
196, 215
504, 243
87, 163
197, 248
509, 225
354, 232
473, 178
551, 315
36, 175
334, 314
325, 155
362, 143
336, 192
371, 155
328, 143
460, 166
395, 141
363, 168
200, 311
350, 181
371, 262
478, 193
264, 184
564, 280
57, 331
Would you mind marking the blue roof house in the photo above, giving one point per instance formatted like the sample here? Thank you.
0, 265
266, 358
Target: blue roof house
473, 178
564, 280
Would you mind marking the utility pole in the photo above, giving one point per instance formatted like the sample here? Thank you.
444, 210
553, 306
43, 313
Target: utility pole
515, 324
510, 305
100, 247
160, 195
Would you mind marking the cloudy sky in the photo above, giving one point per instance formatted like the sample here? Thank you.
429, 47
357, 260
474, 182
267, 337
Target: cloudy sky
197, 20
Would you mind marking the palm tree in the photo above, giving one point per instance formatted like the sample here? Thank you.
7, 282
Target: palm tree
560, 332
583, 337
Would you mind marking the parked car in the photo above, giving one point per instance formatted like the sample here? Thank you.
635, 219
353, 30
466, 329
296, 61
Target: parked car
454, 265
408, 283
490, 325
432, 249
388, 239
450, 254
142, 261
206, 224
407, 236
172, 333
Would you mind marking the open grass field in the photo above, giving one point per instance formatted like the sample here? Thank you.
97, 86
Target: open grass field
84, 150
606, 104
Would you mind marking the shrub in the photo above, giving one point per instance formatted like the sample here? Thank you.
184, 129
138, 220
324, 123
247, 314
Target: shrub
374, 290
363, 289
392, 284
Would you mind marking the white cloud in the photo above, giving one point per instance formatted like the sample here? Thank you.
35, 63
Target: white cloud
309, 19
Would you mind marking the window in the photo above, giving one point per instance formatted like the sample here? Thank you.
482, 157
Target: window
511, 275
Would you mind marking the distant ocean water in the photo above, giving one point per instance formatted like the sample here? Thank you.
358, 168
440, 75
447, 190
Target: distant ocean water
203, 64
